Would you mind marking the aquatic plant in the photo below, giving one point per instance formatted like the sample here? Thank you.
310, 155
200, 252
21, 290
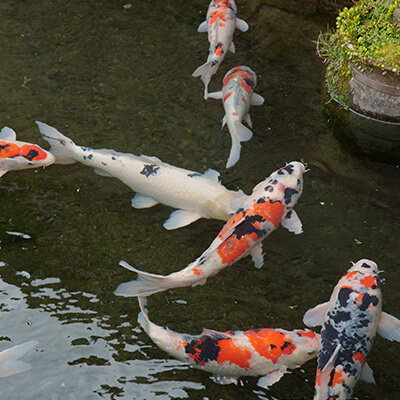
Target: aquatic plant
367, 34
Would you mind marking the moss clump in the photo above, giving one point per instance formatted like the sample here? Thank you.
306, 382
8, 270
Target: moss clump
366, 34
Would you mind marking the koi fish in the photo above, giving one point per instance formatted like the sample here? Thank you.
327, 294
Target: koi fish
9, 363
264, 352
16, 155
270, 205
195, 195
220, 24
350, 320
237, 95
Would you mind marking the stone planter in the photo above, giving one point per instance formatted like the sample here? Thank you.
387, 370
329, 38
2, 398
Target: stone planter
374, 93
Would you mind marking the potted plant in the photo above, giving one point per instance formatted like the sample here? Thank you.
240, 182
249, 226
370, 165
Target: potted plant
363, 58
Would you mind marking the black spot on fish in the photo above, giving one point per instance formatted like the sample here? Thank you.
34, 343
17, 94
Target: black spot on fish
274, 182
32, 154
289, 192
194, 175
247, 228
4, 146
365, 265
287, 345
281, 172
339, 316
249, 82
289, 214
343, 295
272, 201
149, 170
269, 188
298, 182
367, 300
203, 350
289, 168
90, 156
214, 63
113, 158
103, 163
261, 200
272, 346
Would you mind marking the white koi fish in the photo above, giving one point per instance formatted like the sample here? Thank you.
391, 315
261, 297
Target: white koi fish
229, 355
257, 215
220, 24
350, 320
195, 195
237, 95
9, 363
16, 155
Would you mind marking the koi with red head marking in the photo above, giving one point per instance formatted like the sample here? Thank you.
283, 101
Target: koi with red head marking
264, 352
350, 320
16, 155
237, 94
220, 24
270, 205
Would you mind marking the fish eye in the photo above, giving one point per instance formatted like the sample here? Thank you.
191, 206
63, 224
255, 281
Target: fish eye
311, 352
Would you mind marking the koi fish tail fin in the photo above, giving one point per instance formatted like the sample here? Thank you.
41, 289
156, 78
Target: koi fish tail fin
61, 146
205, 71
143, 318
9, 363
146, 284
239, 133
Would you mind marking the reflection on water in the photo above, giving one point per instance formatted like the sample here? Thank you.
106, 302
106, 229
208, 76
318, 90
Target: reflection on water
115, 77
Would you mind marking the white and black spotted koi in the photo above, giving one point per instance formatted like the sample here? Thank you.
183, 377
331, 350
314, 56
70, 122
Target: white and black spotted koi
350, 320
237, 94
16, 155
270, 205
194, 195
264, 352
220, 24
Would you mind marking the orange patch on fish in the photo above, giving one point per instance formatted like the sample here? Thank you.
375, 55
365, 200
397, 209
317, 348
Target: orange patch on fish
33, 152
230, 352
8, 150
197, 271
245, 86
226, 97
350, 275
337, 378
270, 343
309, 334
369, 282
233, 247
359, 357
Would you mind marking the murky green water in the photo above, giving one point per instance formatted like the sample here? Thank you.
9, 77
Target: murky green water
115, 77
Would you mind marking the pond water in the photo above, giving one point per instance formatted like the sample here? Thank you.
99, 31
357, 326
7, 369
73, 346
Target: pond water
114, 74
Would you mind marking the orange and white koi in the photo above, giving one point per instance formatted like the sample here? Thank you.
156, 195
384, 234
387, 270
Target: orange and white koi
237, 94
195, 195
264, 352
9, 363
220, 24
350, 320
16, 155
270, 205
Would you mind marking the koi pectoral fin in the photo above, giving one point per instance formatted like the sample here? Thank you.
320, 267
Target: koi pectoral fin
292, 222
241, 25
271, 378
256, 255
140, 201
180, 218
203, 27
389, 327
316, 316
